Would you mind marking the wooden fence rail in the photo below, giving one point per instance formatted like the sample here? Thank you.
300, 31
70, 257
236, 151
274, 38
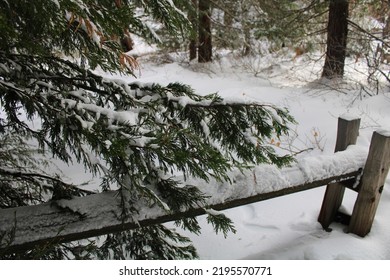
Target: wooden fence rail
67, 220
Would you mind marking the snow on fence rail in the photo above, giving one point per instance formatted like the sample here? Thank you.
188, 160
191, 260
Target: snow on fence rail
67, 220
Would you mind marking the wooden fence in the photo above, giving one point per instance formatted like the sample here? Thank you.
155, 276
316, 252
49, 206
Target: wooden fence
370, 184
22, 228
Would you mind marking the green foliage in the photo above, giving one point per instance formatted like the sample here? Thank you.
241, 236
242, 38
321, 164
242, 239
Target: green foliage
289, 21
135, 137
178, 41
241, 25
69, 251
151, 243
221, 223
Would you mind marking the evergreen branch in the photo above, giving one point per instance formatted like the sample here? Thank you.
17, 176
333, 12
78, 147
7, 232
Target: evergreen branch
21, 174
141, 133
370, 34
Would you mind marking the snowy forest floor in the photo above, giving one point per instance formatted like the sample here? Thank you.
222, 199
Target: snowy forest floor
286, 227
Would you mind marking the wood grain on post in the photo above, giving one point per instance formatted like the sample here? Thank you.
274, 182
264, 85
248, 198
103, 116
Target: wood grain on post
371, 184
347, 133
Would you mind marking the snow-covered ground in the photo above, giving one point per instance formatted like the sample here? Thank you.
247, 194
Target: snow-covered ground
287, 227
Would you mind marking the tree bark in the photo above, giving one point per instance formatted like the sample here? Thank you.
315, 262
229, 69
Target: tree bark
337, 39
127, 42
192, 49
205, 52
192, 16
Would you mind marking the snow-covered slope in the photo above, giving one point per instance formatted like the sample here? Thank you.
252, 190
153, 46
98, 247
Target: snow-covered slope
287, 227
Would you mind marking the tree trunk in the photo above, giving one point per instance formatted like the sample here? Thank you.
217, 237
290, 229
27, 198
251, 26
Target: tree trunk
205, 45
247, 42
192, 17
337, 39
126, 41
192, 48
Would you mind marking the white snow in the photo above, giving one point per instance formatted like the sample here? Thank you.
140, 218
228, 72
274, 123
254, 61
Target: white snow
384, 132
268, 178
284, 227
213, 212
287, 227
349, 117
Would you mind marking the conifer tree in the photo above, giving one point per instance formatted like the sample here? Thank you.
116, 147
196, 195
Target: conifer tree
135, 137
279, 22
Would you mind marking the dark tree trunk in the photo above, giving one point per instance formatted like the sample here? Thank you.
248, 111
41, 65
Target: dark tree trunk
193, 16
205, 51
192, 48
337, 39
126, 42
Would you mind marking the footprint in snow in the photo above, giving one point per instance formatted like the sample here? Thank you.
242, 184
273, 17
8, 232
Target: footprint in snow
302, 226
259, 226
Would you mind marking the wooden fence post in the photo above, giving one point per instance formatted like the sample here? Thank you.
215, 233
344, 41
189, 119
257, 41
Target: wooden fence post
347, 133
371, 184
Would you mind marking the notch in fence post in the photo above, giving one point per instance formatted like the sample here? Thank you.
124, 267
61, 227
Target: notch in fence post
371, 184
347, 133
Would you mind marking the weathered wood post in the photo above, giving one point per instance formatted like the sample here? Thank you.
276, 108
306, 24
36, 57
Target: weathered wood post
371, 184
347, 133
